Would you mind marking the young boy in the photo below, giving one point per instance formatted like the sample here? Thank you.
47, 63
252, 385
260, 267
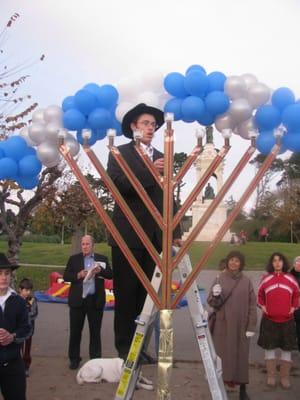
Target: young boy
14, 328
25, 291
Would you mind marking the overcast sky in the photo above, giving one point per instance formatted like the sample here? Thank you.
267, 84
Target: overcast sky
106, 41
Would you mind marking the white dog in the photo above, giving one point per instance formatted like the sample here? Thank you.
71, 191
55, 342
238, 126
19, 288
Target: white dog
100, 369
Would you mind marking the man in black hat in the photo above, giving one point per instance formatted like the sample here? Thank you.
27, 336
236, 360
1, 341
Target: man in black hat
129, 292
14, 328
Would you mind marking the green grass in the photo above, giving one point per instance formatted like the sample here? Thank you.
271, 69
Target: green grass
256, 254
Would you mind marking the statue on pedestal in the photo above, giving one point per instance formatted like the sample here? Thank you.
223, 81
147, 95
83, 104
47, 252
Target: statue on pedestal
209, 134
209, 193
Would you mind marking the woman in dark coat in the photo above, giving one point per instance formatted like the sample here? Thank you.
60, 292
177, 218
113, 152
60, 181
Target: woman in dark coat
232, 297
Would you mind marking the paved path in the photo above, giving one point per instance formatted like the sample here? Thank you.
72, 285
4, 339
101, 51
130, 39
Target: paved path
52, 380
54, 318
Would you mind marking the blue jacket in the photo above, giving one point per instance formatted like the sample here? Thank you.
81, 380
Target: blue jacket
15, 320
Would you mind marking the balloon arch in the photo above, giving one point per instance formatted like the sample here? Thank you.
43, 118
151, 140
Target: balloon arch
241, 104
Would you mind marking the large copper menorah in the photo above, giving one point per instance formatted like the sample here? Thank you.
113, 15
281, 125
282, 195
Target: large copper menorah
167, 221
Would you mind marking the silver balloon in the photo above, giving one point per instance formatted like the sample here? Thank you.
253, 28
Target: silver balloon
249, 79
25, 135
37, 132
224, 122
38, 116
235, 87
258, 94
72, 145
48, 154
52, 130
53, 114
240, 110
53, 163
245, 127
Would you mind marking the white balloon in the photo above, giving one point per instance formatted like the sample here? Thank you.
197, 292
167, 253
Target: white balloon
225, 121
249, 79
52, 130
163, 98
128, 88
240, 110
24, 133
235, 87
38, 116
48, 154
149, 98
122, 109
72, 145
245, 127
53, 114
153, 82
258, 94
37, 132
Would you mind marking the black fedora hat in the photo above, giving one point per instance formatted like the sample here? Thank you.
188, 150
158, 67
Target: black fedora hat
5, 264
135, 112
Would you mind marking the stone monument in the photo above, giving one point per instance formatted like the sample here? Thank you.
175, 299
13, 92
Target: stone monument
206, 197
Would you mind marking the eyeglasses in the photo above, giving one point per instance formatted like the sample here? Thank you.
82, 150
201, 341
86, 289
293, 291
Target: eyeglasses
146, 123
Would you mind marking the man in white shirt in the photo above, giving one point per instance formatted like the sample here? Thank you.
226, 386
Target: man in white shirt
86, 272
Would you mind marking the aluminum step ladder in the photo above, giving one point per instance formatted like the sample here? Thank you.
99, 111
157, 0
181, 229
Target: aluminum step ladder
211, 362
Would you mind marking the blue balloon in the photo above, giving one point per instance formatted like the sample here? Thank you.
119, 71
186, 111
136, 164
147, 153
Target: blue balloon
28, 182
216, 81
195, 67
292, 141
217, 102
196, 83
174, 106
100, 118
30, 151
8, 168
100, 133
192, 108
188, 120
206, 119
92, 88
282, 97
267, 117
265, 142
29, 166
107, 96
74, 120
291, 117
15, 147
85, 101
2, 154
174, 84
68, 103
92, 140
117, 126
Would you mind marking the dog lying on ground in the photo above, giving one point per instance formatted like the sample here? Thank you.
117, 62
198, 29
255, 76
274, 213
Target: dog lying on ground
100, 369
109, 370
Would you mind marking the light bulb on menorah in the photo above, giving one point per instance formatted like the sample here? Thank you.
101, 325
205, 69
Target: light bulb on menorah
168, 220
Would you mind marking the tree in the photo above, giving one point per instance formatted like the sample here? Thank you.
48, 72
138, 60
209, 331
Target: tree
263, 188
70, 206
16, 207
15, 107
179, 160
11, 195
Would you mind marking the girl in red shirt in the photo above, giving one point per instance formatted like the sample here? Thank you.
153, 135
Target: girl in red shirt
278, 297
